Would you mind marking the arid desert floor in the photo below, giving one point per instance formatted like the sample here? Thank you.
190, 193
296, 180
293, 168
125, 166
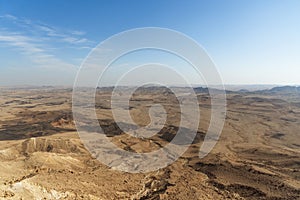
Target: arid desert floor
256, 157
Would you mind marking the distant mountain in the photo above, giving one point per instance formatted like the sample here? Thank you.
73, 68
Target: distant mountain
201, 89
197, 90
243, 91
285, 89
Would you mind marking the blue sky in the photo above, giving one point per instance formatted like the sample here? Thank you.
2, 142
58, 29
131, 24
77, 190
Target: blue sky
251, 42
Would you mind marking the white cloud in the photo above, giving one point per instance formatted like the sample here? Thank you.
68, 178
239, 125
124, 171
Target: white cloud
7, 16
78, 32
34, 51
23, 43
72, 37
38, 41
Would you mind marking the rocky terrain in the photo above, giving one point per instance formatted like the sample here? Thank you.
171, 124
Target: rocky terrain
256, 157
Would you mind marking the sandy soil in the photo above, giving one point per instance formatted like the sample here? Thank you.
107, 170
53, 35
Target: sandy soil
42, 157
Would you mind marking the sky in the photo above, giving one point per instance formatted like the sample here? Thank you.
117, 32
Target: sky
250, 41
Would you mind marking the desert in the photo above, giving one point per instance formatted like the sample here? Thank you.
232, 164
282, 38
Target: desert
256, 157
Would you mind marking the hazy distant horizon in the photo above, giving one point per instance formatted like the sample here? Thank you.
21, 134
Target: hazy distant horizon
230, 87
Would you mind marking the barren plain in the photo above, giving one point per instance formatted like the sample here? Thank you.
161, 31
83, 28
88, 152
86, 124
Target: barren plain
256, 157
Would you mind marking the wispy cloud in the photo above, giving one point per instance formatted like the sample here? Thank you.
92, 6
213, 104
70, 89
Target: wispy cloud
54, 33
34, 51
78, 32
7, 16
37, 40
23, 43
